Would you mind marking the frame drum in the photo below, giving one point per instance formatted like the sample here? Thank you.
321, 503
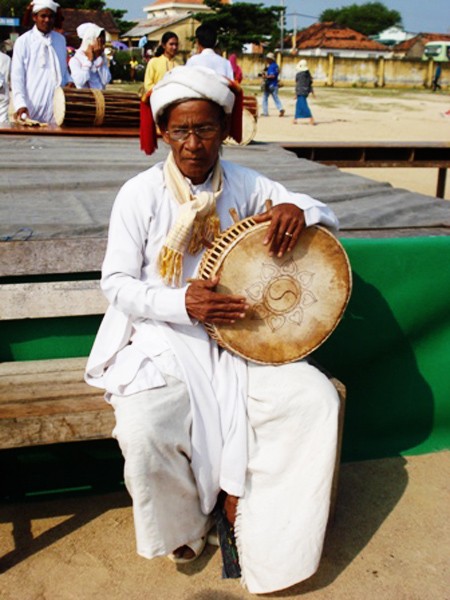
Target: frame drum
295, 302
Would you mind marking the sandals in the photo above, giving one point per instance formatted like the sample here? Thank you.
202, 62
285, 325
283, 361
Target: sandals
197, 547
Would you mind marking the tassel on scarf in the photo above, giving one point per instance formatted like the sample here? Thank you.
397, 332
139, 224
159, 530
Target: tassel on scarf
208, 230
171, 266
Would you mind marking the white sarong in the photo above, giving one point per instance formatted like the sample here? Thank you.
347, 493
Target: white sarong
292, 428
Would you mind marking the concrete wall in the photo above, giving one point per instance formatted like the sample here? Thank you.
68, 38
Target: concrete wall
352, 72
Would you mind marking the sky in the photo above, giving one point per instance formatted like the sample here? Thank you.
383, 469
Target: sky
427, 16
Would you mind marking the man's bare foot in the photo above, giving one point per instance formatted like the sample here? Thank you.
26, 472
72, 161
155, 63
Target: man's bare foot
188, 552
184, 552
230, 506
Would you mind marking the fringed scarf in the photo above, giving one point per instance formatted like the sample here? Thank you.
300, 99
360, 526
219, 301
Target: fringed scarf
197, 220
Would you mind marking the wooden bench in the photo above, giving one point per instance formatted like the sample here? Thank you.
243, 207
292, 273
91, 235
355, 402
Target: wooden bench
46, 401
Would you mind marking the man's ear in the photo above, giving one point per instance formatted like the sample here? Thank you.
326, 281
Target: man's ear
164, 135
226, 123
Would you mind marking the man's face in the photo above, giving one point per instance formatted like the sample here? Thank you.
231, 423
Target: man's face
44, 20
195, 157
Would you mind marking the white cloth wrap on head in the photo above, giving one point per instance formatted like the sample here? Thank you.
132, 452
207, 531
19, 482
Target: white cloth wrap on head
302, 65
42, 4
191, 83
88, 33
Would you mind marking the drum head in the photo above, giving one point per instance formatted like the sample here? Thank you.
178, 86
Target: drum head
59, 106
295, 301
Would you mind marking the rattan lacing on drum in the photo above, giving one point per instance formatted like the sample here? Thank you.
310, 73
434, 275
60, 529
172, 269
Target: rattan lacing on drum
99, 107
212, 258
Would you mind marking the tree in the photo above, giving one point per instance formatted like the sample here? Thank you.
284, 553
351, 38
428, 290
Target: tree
242, 23
369, 18
16, 8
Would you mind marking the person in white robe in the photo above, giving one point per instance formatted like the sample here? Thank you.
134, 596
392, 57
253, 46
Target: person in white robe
39, 65
194, 421
5, 69
206, 39
89, 65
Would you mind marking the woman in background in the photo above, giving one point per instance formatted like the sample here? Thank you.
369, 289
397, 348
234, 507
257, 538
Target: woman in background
303, 87
163, 61
89, 65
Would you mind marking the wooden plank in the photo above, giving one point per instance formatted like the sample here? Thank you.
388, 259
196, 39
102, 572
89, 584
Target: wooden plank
373, 154
41, 380
52, 299
88, 131
17, 432
35, 257
48, 401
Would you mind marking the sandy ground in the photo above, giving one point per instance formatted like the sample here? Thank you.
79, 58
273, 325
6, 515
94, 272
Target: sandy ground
367, 115
390, 541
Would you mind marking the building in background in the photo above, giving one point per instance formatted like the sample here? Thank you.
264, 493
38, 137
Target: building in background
414, 47
74, 17
168, 15
322, 39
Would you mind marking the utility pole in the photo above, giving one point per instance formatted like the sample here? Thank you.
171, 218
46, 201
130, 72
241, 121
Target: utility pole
282, 25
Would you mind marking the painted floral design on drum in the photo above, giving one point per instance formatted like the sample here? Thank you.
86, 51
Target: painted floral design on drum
282, 294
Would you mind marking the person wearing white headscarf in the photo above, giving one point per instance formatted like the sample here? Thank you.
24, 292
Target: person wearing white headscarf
194, 421
89, 65
303, 88
39, 65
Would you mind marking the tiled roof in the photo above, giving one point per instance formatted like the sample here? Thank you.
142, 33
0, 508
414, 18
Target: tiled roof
147, 26
332, 35
420, 37
74, 17
162, 2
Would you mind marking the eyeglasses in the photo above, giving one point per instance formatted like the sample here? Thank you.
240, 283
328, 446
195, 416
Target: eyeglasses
204, 132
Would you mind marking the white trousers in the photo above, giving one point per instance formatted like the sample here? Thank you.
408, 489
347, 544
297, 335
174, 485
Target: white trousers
292, 429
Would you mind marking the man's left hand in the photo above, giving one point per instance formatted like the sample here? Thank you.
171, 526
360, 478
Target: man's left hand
286, 223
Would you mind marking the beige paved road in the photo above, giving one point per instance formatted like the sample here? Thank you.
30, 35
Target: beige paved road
368, 115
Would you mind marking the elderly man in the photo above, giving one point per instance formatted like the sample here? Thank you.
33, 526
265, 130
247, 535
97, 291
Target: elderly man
39, 65
195, 421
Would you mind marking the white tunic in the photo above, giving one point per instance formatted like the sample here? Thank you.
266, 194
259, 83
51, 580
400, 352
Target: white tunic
5, 66
89, 74
209, 58
39, 66
153, 317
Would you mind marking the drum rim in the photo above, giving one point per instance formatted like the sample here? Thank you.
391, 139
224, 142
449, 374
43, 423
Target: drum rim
59, 106
214, 330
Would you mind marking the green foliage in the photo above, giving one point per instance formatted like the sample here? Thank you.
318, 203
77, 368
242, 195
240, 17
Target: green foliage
16, 8
120, 66
86, 4
13, 8
369, 18
242, 23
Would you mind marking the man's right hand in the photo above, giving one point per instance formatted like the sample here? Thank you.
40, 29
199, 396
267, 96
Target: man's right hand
23, 110
206, 305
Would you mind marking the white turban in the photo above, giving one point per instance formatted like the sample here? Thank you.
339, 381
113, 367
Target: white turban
41, 4
302, 65
88, 33
191, 83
